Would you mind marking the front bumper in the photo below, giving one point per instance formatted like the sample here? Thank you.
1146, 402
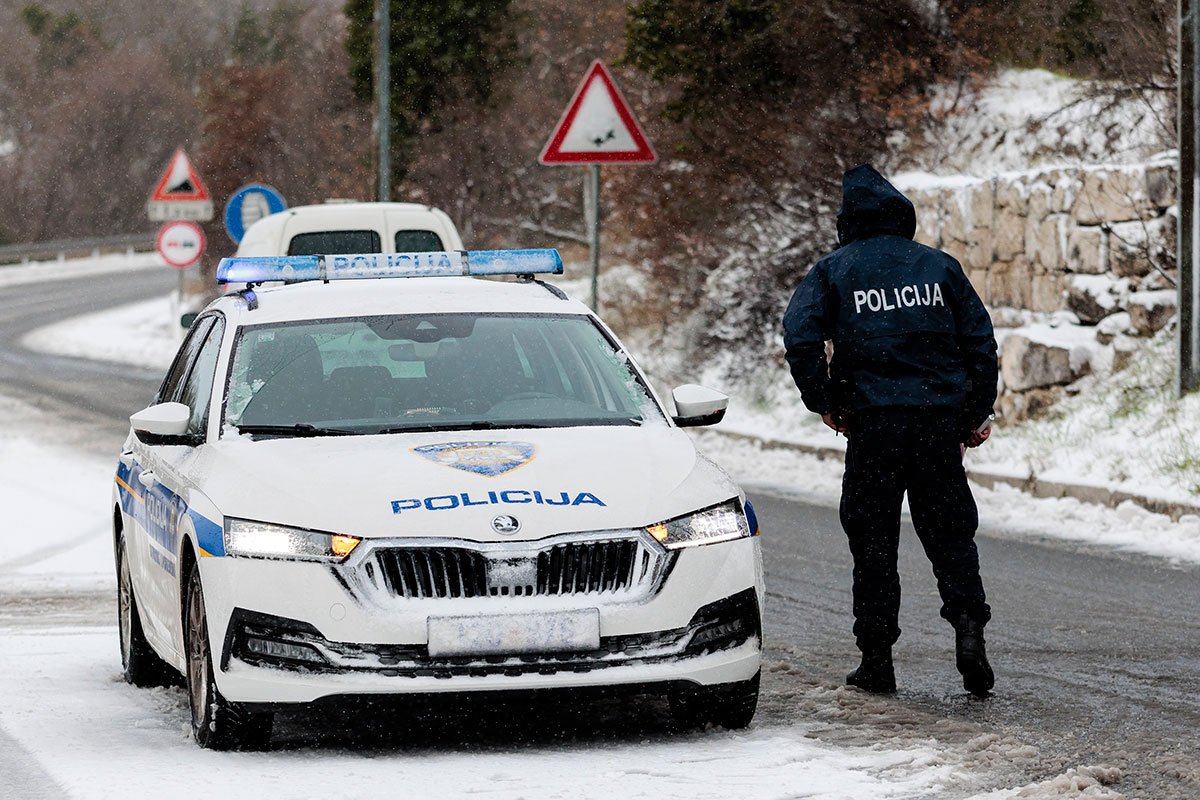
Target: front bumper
293, 632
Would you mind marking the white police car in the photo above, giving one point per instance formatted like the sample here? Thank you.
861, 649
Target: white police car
437, 484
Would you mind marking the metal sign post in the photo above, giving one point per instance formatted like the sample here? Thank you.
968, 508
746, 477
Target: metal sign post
597, 128
383, 103
591, 202
1189, 193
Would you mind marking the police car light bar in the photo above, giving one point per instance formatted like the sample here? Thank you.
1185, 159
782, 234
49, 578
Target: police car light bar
260, 269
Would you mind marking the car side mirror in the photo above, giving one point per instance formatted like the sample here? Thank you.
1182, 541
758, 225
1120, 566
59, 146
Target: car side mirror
698, 405
187, 319
164, 423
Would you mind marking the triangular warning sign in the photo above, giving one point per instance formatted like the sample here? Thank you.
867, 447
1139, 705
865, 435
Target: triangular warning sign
179, 182
598, 127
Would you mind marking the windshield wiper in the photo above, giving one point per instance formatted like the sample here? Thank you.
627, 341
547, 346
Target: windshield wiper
480, 425
300, 429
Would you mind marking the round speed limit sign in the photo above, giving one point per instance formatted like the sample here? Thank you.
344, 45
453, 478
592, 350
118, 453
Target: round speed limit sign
180, 243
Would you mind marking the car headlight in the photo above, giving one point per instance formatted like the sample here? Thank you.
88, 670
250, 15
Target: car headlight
720, 523
245, 537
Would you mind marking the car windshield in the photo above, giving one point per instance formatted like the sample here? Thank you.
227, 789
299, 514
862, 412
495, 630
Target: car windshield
386, 374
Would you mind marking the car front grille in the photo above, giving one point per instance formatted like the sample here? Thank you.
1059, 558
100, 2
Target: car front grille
585, 567
419, 572
616, 567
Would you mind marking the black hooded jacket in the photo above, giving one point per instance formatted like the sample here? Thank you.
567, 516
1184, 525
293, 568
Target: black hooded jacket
907, 327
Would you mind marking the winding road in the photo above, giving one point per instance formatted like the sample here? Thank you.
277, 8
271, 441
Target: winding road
1097, 654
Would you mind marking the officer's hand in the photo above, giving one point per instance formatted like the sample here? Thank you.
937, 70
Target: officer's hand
978, 437
835, 422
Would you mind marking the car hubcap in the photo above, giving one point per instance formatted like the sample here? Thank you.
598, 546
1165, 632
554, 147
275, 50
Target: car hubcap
125, 609
197, 657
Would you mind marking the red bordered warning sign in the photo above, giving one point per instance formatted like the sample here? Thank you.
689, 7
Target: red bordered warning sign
180, 193
180, 181
598, 126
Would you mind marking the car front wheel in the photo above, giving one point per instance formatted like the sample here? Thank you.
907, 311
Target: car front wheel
216, 723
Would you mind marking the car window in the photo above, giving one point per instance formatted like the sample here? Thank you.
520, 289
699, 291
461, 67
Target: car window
169, 391
418, 242
439, 371
197, 392
334, 242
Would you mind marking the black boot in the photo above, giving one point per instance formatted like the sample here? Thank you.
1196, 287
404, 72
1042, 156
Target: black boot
971, 657
875, 674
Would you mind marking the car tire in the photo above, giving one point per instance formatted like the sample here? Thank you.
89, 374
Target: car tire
140, 665
217, 724
728, 705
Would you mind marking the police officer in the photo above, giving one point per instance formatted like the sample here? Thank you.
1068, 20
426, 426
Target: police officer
912, 379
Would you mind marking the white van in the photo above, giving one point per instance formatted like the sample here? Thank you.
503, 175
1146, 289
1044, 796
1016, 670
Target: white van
337, 228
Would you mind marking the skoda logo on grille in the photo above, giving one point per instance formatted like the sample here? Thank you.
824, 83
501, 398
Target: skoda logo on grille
506, 524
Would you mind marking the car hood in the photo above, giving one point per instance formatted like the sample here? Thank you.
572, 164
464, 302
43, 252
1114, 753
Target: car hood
455, 484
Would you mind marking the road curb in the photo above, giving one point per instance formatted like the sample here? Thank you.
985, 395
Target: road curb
1031, 484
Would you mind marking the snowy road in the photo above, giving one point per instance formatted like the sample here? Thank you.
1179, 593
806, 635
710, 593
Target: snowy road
1097, 657
96, 398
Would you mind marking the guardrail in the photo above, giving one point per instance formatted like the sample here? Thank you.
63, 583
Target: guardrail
62, 248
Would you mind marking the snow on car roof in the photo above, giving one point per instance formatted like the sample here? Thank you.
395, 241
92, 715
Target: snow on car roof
316, 300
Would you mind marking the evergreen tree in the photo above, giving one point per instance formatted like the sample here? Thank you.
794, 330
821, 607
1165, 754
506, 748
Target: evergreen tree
250, 43
62, 38
441, 51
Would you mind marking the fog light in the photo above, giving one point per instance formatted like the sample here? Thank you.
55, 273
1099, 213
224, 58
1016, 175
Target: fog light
289, 650
713, 633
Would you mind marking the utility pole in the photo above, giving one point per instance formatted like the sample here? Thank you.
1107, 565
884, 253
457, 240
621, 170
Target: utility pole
383, 96
1189, 171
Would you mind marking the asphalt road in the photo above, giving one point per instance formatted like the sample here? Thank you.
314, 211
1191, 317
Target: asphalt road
94, 398
1097, 655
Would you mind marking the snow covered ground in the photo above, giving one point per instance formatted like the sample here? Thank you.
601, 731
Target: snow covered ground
142, 334
40, 271
1030, 118
64, 541
100, 738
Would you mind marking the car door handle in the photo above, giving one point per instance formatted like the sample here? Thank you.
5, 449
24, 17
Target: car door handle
126, 458
147, 479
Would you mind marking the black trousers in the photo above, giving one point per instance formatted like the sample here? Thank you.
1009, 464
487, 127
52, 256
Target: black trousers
891, 451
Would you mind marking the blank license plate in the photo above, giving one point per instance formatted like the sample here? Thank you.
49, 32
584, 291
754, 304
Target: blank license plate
561, 631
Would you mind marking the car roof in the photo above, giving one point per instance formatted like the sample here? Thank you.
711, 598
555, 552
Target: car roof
378, 296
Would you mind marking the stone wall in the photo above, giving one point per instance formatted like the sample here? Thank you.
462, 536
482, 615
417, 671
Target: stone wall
1095, 241
1082, 239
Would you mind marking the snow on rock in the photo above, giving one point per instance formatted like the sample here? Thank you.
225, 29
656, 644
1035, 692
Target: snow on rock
1150, 312
1042, 355
1094, 297
1113, 326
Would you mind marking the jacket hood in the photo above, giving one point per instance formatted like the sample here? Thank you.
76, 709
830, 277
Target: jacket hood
873, 207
